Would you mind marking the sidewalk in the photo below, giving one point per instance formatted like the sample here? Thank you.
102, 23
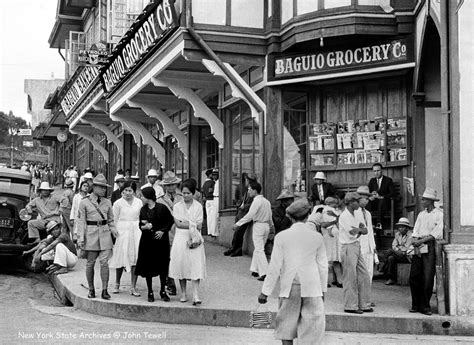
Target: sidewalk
229, 293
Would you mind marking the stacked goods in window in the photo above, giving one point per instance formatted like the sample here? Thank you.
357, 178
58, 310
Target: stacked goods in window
397, 139
322, 143
360, 141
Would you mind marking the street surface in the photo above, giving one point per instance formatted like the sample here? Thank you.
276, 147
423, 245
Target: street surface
31, 313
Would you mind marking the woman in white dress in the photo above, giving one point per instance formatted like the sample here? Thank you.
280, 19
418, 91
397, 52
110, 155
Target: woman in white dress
126, 219
187, 263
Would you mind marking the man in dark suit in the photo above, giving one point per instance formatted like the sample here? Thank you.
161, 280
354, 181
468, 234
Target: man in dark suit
381, 187
321, 189
242, 210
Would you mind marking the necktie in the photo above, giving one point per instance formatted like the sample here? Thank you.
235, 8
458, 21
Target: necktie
98, 200
379, 182
321, 193
172, 198
365, 218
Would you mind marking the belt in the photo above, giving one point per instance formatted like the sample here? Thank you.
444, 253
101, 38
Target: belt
96, 222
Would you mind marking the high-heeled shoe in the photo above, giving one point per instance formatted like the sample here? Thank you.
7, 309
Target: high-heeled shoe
151, 297
134, 292
116, 289
196, 302
105, 294
164, 296
91, 294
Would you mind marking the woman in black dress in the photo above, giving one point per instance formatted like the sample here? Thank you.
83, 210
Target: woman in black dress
154, 249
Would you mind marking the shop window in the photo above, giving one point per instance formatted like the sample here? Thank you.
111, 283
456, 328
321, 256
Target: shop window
306, 6
256, 75
369, 2
244, 150
175, 160
286, 10
212, 153
247, 13
294, 141
209, 11
336, 3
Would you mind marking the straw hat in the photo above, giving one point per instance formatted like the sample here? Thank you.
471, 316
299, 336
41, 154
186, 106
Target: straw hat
215, 170
404, 221
119, 178
351, 196
68, 183
135, 177
363, 190
100, 180
285, 194
152, 173
51, 225
430, 194
45, 186
319, 176
170, 178
88, 175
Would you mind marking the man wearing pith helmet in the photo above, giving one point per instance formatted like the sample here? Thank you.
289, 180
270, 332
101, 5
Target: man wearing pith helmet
154, 182
321, 189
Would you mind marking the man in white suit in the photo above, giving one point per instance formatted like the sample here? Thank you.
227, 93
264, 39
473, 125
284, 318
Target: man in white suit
299, 261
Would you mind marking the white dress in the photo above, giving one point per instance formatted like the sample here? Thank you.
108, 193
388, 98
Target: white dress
186, 263
126, 219
333, 250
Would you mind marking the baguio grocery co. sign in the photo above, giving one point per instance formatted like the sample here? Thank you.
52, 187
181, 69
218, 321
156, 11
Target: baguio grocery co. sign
389, 53
158, 20
79, 88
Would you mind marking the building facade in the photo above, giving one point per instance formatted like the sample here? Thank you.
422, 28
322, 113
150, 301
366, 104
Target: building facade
282, 89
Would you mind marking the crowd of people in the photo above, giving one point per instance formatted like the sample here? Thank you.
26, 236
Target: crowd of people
314, 242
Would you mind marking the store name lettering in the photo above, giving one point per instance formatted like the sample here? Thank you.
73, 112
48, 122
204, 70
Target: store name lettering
78, 88
395, 51
150, 31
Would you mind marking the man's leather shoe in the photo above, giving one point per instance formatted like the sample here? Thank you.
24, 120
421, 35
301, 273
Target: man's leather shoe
368, 310
228, 252
350, 311
390, 282
236, 254
254, 274
413, 310
91, 294
105, 294
262, 278
426, 312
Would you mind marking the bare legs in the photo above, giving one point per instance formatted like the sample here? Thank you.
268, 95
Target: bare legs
195, 287
133, 279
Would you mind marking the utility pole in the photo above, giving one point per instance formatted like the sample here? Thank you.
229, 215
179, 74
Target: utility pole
11, 135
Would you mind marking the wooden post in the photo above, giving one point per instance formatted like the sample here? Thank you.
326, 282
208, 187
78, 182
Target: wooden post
440, 277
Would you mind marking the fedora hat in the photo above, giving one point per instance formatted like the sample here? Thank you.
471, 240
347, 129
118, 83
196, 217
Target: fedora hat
363, 190
404, 221
215, 170
170, 178
430, 194
88, 175
351, 196
100, 180
299, 208
119, 178
45, 186
152, 172
319, 176
285, 194
51, 225
135, 177
68, 183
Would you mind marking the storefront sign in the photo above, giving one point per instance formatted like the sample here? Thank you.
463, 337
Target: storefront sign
79, 88
96, 55
152, 28
388, 53
27, 143
24, 131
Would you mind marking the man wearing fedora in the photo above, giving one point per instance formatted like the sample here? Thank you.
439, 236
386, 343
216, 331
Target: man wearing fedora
58, 247
398, 253
428, 228
280, 219
321, 189
95, 228
117, 194
300, 264
242, 209
47, 205
154, 182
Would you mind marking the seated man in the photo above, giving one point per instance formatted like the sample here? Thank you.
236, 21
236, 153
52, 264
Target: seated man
398, 253
58, 247
47, 206
381, 187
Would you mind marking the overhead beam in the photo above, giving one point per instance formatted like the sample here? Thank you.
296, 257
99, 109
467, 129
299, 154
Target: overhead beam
201, 110
111, 137
94, 142
169, 127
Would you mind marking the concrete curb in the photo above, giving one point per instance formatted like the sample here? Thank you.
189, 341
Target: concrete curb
339, 322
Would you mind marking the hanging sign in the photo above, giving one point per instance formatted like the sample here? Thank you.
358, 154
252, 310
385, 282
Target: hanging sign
96, 55
325, 62
149, 30
27, 143
24, 131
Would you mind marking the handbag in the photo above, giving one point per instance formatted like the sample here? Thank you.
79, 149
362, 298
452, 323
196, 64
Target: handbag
196, 238
260, 316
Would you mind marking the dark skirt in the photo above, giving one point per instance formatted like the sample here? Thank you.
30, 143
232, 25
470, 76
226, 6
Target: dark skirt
153, 255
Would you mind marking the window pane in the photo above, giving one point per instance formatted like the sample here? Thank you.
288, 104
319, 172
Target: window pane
306, 6
369, 2
336, 3
248, 13
236, 186
209, 11
286, 10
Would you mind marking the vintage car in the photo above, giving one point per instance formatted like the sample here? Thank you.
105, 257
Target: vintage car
14, 195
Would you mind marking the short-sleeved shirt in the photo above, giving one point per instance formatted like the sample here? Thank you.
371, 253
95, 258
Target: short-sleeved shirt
64, 239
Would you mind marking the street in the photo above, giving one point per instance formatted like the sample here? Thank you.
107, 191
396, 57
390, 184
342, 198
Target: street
31, 313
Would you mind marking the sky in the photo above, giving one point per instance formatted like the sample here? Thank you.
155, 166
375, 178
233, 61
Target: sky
25, 26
